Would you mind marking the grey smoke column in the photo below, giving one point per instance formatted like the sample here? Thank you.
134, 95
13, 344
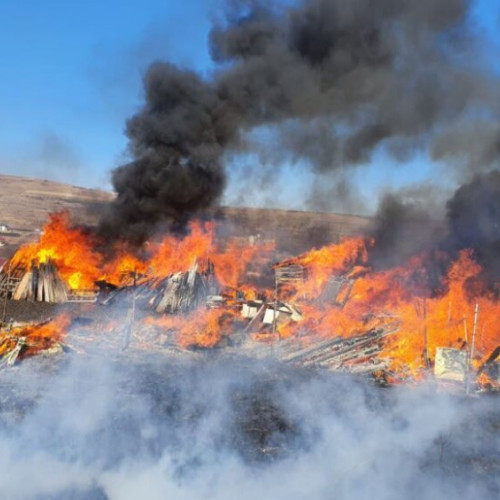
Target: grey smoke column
334, 79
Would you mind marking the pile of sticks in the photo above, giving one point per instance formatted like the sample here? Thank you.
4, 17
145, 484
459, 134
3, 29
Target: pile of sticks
359, 354
182, 292
179, 292
10, 277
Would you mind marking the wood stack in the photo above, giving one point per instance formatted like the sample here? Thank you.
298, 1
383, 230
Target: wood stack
10, 277
179, 292
359, 354
42, 283
182, 292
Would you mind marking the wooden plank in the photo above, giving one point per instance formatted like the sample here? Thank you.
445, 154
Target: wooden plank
22, 287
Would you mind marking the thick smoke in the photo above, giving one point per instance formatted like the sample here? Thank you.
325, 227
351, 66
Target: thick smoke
334, 80
405, 226
111, 427
401, 229
474, 222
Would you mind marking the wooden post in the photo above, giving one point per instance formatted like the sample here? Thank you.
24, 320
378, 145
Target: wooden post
275, 304
129, 328
471, 349
5, 294
426, 343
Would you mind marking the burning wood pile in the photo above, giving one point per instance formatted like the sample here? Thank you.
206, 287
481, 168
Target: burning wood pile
326, 308
18, 342
41, 283
59, 268
359, 354
177, 293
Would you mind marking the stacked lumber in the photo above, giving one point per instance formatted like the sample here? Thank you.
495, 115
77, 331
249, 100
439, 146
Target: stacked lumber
289, 273
178, 292
10, 277
42, 283
358, 354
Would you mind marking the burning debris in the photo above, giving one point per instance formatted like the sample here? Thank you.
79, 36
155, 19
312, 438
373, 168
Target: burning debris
331, 83
40, 283
18, 342
326, 308
359, 354
177, 293
390, 301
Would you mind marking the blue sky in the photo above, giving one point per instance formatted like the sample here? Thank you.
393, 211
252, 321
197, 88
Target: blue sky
71, 75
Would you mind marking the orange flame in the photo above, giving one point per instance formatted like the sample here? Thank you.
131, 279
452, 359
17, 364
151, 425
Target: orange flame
38, 338
70, 249
339, 295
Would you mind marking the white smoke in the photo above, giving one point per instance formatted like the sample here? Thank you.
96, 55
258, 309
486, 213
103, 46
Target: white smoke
128, 426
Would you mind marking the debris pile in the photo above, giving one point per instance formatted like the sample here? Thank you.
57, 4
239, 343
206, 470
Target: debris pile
20, 341
179, 292
359, 354
323, 309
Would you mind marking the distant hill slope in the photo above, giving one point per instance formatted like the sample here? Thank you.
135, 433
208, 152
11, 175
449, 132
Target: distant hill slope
25, 204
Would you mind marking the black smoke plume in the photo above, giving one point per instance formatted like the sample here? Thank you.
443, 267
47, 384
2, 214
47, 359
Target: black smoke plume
334, 80
403, 228
474, 222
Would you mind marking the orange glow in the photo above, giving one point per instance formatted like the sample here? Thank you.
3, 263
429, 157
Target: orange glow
70, 249
123, 268
179, 254
337, 293
397, 297
38, 338
202, 328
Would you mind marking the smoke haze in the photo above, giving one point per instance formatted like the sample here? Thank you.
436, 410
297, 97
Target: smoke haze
333, 81
102, 426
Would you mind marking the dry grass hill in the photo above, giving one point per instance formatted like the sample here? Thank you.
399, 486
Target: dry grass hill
25, 204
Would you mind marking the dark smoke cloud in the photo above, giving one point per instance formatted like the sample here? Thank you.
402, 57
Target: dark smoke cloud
177, 140
406, 225
401, 229
474, 222
335, 80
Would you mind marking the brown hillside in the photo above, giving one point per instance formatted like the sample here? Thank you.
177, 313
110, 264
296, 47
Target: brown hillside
25, 204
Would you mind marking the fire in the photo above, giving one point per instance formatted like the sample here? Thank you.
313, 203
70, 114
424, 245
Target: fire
199, 245
200, 328
124, 267
334, 288
69, 248
26, 341
399, 296
178, 254
322, 263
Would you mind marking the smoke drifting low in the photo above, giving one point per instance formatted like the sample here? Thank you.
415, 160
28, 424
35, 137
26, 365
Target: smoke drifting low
105, 428
334, 80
